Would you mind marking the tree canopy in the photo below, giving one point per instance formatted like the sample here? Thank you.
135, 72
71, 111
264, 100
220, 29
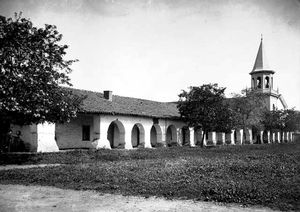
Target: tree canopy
32, 71
249, 108
284, 120
204, 107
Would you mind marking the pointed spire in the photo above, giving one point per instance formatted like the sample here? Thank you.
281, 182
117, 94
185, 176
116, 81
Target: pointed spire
261, 63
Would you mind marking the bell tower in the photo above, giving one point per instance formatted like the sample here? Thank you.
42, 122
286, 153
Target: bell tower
262, 80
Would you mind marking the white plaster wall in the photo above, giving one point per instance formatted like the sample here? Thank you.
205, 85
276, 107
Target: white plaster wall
128, 123
69, 135
46, 138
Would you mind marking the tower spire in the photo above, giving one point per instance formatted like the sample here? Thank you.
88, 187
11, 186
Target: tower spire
261, 63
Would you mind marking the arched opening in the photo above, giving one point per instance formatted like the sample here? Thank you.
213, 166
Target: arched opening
155, 135
116, 135
138, 136
171, 135
185, 136
244, 136
197, 135
258, 82
267, 82
235, 135
265, 137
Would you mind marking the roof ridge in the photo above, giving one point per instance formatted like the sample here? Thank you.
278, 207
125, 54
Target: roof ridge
97, 92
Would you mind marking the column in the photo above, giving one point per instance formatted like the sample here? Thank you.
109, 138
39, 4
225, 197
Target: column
128, 128
204, 138
232, 141
273, 137
277, 139
268, 137
292, 136
287, 136
261, 136
147, 129
192, 136
102, 124
46, 138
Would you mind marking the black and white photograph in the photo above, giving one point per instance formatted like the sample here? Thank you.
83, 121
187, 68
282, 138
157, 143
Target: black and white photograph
149, 105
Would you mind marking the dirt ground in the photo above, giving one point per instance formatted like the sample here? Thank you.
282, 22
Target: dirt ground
43, 198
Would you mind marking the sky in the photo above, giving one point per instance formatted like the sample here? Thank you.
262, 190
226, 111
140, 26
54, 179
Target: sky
154, 49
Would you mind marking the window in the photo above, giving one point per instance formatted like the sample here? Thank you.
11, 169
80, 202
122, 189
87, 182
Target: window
258, 82
267, 82
85, 132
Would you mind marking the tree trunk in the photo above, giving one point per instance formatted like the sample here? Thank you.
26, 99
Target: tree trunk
5, 135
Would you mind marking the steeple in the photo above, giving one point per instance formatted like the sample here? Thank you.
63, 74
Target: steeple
261, 63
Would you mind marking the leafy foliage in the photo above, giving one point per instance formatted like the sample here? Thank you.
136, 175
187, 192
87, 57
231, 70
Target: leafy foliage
32, 69
249, 108
205, 107
284, 120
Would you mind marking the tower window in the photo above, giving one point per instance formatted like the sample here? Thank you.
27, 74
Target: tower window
267, 82
258, 82
86, 132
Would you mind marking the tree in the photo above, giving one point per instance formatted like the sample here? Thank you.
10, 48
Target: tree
32, 71
283, 120
205, 107
249, 108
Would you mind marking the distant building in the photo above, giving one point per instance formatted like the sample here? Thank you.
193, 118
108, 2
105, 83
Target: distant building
262, 81
111, 121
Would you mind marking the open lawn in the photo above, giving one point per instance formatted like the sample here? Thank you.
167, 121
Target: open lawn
267, 175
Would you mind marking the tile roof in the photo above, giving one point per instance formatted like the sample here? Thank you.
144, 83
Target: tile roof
96, 103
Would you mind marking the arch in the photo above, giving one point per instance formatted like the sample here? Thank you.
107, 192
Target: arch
185, 135
258, 82
235, 135
171, 135
265, 137
116, 134
155, 135
267, 82
138, 136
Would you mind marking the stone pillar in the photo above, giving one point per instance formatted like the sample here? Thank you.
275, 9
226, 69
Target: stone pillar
128, 128
101, 126
277, 139
232, 141
239, 137
204, 138
268, 137
273, 137
211, 141
291, 136
147, 129
46, 138
287, 136
192, 136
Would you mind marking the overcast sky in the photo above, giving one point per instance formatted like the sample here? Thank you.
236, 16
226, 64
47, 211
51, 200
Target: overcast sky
153, 49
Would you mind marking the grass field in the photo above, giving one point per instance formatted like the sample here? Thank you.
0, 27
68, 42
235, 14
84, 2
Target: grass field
267, 175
